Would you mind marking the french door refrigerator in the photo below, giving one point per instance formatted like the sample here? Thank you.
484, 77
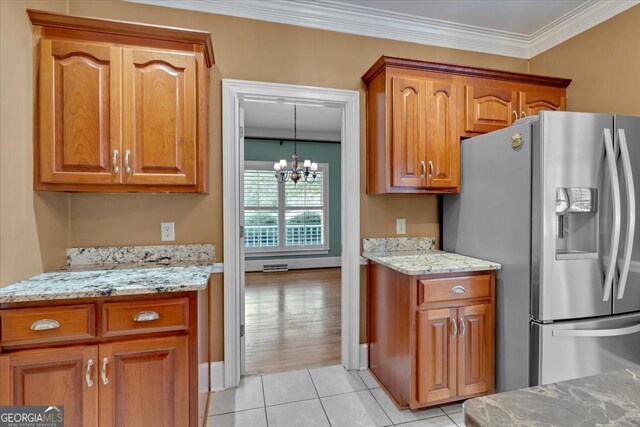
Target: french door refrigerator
554, 200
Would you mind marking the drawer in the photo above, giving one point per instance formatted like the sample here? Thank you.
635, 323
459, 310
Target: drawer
47, 324
453, 288
145, 317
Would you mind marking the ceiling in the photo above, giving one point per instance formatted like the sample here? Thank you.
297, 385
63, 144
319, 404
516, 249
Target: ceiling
517, 16
516, 28
275, 120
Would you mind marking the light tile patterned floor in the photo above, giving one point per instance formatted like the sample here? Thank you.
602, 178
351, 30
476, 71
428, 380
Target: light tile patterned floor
324, 397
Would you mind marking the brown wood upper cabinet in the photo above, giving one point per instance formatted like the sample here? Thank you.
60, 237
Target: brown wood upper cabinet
122, 106
417, 111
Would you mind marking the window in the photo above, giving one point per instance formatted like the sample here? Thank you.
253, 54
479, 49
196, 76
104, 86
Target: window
284, 217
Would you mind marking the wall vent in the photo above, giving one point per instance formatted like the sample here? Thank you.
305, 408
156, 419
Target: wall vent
268, 268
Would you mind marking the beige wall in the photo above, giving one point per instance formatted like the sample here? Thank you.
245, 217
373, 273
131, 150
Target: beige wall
604, 63
33, 226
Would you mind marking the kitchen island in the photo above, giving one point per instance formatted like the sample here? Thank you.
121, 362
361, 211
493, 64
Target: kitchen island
612, 398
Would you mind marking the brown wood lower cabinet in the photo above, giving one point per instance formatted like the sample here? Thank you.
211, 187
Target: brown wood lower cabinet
428, 348
144, 378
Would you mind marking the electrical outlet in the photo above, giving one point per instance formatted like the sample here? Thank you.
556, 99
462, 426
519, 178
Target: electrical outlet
401, 226
167, 231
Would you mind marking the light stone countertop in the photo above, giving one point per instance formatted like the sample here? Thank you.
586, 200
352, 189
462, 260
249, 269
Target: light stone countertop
157, 269
609, 399
420, 262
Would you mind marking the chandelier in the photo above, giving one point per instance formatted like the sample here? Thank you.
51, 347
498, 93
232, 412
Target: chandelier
306, 173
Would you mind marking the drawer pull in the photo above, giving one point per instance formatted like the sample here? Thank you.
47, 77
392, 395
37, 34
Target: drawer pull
44, 324
87, 373
146, 316
459, 289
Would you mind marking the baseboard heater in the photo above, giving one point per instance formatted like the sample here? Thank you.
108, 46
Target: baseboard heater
269, 268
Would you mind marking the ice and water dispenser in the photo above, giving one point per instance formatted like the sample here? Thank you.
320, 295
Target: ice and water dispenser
576, 223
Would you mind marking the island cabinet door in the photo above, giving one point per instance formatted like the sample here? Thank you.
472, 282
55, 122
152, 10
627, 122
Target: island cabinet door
145, 383
437, 346
79, 99
159, 117
475, 349
53, 377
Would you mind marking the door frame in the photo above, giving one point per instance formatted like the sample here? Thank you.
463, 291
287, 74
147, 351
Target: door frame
233, 92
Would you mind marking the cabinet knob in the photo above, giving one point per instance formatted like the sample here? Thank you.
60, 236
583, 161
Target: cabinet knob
458, 289
45, 324
146, 316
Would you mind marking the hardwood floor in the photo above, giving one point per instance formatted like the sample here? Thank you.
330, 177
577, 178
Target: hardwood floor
292, 320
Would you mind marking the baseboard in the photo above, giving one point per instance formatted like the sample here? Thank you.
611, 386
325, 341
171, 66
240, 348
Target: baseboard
294, 263
203, 382
364, 356
217, 376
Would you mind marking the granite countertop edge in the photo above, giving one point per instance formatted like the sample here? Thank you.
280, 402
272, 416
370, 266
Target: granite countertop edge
434, 262
97, 281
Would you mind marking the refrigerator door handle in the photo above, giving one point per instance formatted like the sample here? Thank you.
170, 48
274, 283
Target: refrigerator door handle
631, 212
590, 333
615, 235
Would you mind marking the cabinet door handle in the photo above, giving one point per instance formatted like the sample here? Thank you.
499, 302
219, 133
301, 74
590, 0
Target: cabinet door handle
522, 115
423, 169
87, 373
454, 328
463, 327
127, 169
105, 362
458, 289
44, 324
116, 169
515, 115
146, 316
430, 169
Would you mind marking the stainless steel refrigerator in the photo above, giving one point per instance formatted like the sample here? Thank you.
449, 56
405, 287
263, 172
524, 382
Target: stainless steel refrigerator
554, 200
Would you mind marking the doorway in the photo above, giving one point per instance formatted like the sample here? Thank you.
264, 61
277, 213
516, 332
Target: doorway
234, 94
292, 237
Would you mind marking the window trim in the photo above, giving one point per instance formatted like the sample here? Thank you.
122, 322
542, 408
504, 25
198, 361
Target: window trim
282, 249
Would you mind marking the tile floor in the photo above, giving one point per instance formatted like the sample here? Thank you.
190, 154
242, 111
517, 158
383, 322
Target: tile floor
329, 396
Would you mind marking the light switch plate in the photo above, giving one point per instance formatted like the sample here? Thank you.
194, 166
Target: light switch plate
401, 226
167, 231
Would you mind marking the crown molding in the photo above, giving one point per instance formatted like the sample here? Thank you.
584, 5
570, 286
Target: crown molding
580, 19
334, 16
